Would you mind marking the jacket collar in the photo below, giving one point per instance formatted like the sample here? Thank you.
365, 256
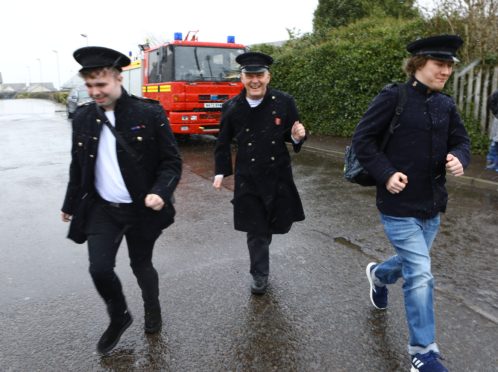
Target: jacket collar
242, 95
119, 103
419, 86
124, 97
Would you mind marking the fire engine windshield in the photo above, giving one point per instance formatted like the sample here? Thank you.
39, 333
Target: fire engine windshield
206, 63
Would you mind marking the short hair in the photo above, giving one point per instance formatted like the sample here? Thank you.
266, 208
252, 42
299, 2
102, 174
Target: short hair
413, 63
91, 72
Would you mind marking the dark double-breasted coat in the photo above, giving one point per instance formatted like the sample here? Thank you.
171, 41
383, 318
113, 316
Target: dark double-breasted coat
265, 196
157, 169
429, 128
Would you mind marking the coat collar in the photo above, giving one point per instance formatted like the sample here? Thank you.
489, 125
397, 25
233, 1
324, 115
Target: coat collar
419, 86
121, 100
268, 97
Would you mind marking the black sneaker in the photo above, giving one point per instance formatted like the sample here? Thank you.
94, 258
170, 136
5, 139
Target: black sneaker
113, 333
427, 362
153, 320
378, 295
259, 284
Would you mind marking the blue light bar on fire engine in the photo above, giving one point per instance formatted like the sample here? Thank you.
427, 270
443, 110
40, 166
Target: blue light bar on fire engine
231, 39
178, 36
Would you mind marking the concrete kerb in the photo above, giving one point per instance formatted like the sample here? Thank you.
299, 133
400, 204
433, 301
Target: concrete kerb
471, 182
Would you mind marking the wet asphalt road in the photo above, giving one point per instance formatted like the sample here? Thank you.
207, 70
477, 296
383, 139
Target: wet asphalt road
315, 317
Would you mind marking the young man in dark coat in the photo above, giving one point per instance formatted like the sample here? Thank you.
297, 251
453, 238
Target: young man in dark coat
120, 188
429, 142
266, 201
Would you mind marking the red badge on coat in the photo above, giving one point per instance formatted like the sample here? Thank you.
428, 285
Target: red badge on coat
278, 121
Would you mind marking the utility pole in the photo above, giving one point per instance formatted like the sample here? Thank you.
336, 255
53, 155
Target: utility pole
58, 70
86, 37
28, 81
41, 75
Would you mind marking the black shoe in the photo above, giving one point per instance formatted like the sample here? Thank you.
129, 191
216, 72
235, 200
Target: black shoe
153, 320
259, 285
113, 333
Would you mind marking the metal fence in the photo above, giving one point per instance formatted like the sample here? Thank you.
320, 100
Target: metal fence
471, 87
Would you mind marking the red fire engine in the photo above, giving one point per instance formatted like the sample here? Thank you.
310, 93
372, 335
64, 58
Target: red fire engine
190, 78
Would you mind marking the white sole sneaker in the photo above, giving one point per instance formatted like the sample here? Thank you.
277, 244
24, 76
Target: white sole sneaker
372, 286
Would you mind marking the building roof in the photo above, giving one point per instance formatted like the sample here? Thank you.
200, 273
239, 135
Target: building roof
13, 87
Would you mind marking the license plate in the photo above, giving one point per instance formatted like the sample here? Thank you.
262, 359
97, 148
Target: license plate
213, 105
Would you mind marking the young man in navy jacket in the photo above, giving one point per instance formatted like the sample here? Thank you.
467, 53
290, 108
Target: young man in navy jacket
429, 142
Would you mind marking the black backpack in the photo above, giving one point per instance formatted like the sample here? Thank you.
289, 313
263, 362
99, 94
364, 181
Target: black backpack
353, 170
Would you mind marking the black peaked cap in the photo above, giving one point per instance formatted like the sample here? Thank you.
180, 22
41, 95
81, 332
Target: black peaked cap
254, 62
442, 47
95, 57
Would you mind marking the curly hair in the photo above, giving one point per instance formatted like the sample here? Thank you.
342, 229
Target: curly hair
413, 63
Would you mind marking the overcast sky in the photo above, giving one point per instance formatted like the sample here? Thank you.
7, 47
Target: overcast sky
30, 30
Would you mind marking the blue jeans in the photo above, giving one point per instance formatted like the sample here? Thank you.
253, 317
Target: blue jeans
412, 239
492, 156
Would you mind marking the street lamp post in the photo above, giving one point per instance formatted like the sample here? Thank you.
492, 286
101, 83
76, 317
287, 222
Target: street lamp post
28, 81
41, 75
58, 69
86, 37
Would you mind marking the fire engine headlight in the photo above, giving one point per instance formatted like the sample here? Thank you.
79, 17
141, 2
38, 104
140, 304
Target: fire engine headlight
184, 117
193, 117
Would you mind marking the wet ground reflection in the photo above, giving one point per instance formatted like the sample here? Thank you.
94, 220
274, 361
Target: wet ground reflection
155, 356
465, 251
315, 317
267, 341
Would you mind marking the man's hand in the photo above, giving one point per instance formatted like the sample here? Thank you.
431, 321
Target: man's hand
298, 132
218, 179
453, 165
154, 202
66, 217
396, 183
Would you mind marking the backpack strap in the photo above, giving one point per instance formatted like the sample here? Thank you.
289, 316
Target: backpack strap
400, 106
119, 138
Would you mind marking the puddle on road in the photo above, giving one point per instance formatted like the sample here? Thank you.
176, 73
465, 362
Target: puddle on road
347, 243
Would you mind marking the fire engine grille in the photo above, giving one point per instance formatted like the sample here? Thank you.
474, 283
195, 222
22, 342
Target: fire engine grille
215, 109
208, 97
209, 116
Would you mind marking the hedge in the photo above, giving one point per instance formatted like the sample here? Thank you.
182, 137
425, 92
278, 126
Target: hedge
334, 79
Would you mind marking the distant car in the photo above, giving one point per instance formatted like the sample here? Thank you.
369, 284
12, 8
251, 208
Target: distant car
77, 97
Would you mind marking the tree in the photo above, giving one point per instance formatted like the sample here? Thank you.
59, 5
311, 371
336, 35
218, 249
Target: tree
335, 13
476, 21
